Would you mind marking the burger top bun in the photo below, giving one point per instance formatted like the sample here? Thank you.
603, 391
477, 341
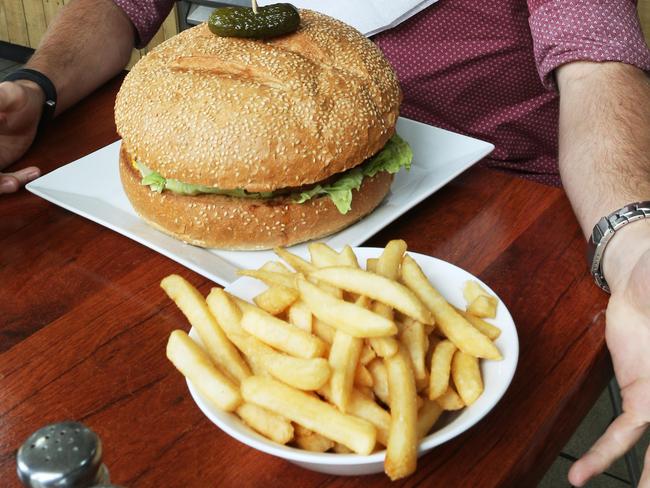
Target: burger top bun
259, 115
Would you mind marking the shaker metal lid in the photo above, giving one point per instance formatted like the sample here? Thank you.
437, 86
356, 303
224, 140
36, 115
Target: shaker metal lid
65, 454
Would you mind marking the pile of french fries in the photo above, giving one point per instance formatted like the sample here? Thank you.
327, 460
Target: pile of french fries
332, 357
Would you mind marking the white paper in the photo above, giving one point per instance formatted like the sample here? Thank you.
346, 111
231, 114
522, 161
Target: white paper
368, 16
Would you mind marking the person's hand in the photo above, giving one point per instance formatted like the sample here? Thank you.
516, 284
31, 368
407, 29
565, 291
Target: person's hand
21, 104
628, 339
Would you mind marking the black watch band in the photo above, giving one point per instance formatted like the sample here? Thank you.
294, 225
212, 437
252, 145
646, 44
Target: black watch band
46, 85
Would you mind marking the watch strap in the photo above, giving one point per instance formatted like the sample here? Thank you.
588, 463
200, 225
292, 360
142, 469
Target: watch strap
49, 106
603, 232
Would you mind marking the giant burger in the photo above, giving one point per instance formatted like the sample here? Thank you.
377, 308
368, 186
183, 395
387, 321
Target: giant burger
249, 144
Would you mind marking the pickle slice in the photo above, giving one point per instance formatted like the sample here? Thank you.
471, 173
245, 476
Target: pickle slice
270, 21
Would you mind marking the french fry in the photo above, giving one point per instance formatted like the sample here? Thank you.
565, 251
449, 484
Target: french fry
450, 322
322, 255
441, 368
366, 391
485, 307
383, 310
363, 301
362, 406
281, 335
387, 265
269, 424
467, 377
379, 375
418, 401
306, 267
384, 346
376, 287
362, 376
296, 262
272, 277
343, 359
348, 258
428, 415
257, 366
228, 316
371, 264
194, 307
226, 312
450, 400
305, 374
312, 441
367, 354
276, 299
275, 267
413, 337
433, 342
302, 431
300, 316
341, 449
491, 331
348, 317
426, 344
401, 451
327, 288
196, 365
312, 413
322, 330
389, 262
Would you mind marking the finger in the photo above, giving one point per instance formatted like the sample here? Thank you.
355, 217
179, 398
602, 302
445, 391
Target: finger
619, 437
11, 182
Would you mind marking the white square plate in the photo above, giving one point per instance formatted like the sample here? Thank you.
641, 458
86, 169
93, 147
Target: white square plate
91, 188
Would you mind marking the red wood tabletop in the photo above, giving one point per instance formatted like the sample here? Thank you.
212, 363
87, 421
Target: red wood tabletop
84, 323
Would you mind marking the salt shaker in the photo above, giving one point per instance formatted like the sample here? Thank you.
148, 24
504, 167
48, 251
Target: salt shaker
62, 455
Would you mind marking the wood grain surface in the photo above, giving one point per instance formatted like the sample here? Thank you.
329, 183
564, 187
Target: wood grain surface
83, 327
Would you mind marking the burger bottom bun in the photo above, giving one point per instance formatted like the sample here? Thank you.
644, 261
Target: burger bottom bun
217, 221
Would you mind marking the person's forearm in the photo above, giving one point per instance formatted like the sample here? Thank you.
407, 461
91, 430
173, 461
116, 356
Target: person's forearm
605, 144
88, 43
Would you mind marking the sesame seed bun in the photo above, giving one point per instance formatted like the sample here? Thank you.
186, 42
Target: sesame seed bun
259, 115
224, 222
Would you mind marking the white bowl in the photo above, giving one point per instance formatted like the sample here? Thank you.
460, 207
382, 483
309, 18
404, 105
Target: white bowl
497, 375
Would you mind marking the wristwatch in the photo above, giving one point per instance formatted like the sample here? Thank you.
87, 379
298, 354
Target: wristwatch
49, 106
605, 230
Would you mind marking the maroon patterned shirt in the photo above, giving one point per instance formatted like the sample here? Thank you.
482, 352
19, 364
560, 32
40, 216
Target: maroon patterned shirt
486, 68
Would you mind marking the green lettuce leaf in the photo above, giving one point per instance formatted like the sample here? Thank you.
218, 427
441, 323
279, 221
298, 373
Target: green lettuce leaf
155, 181
340, 192
395, 155
158, 183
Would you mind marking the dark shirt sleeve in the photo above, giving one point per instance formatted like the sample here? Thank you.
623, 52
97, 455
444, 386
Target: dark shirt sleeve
146, 15
585, 30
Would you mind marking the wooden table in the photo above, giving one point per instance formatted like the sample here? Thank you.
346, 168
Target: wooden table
83, 327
